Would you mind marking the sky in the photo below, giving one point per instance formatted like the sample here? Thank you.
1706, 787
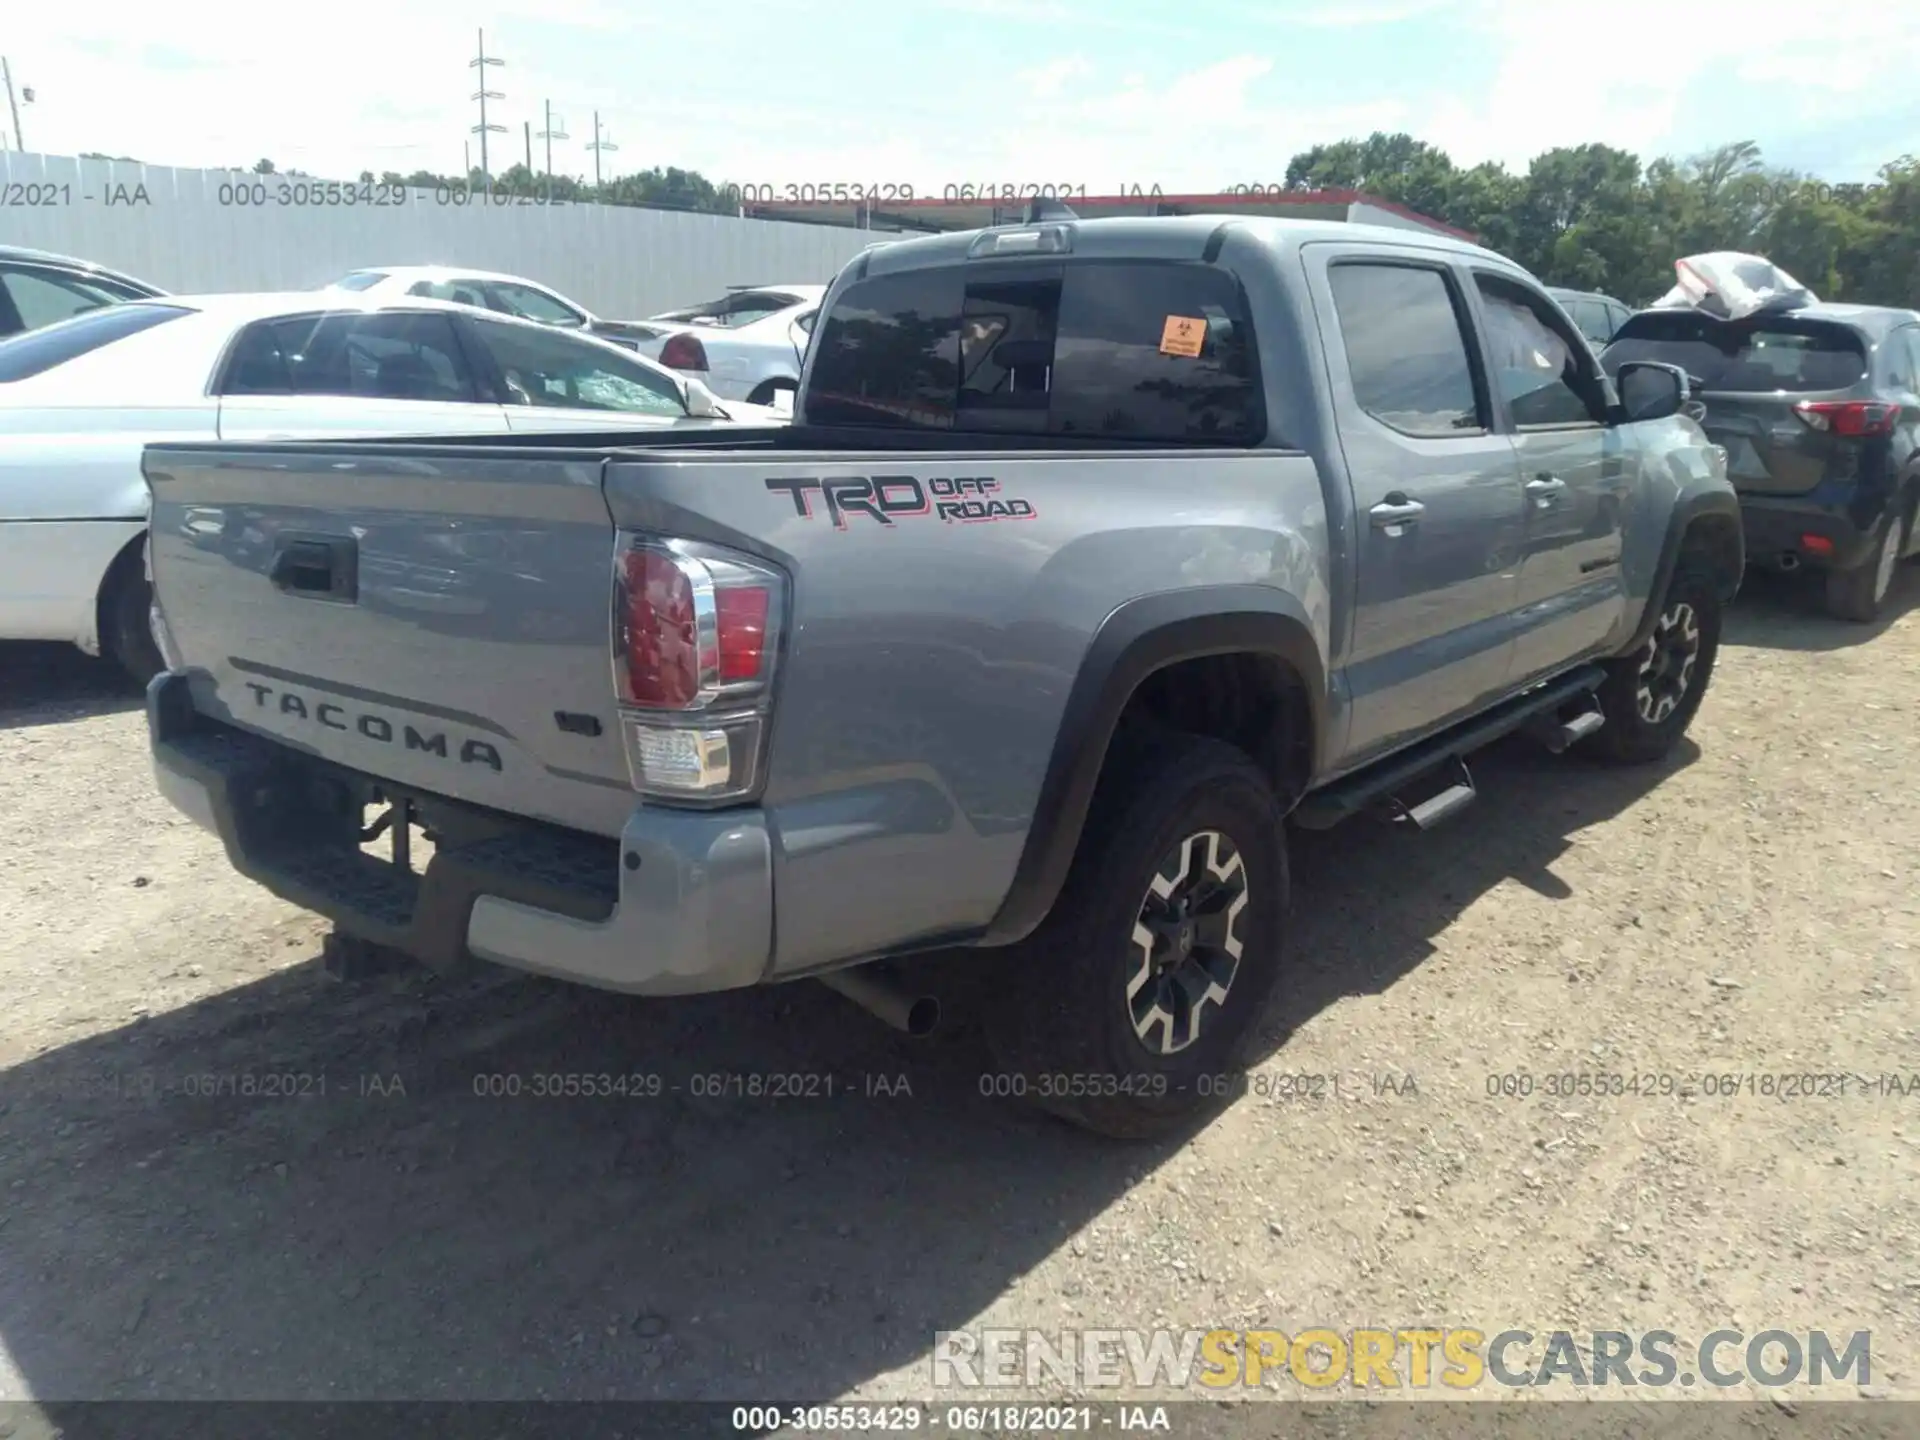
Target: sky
1090, 95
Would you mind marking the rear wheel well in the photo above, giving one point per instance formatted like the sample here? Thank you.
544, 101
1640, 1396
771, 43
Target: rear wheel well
1713, 543
1256, 702
128, 564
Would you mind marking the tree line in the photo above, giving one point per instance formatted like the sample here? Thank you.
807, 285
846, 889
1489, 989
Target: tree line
1590, 217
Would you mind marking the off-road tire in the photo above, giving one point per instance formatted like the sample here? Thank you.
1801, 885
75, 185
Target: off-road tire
126, 621
1634, 734
1056, 1017
1861, 593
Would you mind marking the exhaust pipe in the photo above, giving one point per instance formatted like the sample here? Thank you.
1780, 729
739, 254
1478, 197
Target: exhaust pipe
1789, 561
887, 999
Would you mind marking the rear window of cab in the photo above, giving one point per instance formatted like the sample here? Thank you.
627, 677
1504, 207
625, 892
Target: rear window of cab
1132, 350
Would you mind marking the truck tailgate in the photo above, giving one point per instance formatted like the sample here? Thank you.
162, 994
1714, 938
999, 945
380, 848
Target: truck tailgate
437, 619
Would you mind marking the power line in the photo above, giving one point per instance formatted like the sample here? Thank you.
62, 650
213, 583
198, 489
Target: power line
597, 146
551, 134
19, 141
483, 129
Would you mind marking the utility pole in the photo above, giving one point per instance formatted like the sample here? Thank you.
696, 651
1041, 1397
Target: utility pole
483, 129
597, 146
526, 127
19, 141
551, 134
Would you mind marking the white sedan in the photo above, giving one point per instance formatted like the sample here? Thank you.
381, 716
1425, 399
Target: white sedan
81, 398
488, 290
748, 345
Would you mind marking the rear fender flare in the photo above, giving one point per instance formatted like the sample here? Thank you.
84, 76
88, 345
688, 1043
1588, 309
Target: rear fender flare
1135, 640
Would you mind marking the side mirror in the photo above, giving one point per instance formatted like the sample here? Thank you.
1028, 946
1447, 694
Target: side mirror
1650, 391
702, 403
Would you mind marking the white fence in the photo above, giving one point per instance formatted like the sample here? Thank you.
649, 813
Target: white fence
194, 231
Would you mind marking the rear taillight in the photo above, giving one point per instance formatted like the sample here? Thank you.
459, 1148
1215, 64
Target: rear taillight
683, 352
1852, 418
696, 634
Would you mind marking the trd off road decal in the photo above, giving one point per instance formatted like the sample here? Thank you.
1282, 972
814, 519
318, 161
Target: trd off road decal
967, 499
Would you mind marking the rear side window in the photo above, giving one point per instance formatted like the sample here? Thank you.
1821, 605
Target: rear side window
1909, 341
1744, 356
384, 355
889, 353
41, 297
36, 351
1590, 318
531, 304
460, 292
1406, 350
1147, 351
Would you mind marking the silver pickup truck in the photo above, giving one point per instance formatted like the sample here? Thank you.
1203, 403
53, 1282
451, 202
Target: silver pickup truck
1096, 551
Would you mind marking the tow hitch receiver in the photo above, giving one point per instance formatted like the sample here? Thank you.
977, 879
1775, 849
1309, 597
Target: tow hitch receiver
399, 817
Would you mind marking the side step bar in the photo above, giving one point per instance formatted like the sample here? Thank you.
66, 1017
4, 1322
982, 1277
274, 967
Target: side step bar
1347, 797
1436, 809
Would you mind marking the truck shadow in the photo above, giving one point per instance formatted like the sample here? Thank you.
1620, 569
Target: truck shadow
43, 684
1787, 612
300, 1190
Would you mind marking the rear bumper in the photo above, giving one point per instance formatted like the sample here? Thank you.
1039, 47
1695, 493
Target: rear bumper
1776, 528
681, 903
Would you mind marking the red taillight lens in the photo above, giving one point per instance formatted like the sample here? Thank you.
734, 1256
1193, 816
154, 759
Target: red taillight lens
694, 627
683, 352
742, 613
1855, 419
663, 644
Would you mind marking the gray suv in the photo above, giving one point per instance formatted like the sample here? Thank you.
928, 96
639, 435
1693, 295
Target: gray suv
1818, 407
1097, 551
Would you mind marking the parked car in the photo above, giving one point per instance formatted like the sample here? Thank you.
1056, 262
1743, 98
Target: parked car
503, 294
79, 398
1597, 316
1072, 582
1819, 410
748, 345
38, 288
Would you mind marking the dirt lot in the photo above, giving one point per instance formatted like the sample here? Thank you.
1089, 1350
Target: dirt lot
1750, 908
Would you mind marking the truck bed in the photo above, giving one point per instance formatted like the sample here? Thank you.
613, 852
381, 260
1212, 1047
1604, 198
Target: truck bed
938, 618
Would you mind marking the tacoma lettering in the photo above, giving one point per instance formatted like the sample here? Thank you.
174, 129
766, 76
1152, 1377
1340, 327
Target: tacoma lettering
372, 727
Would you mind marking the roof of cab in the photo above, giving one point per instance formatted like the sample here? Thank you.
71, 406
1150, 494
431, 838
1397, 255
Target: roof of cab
1166, 237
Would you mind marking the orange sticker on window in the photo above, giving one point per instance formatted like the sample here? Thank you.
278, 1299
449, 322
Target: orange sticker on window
1183, 335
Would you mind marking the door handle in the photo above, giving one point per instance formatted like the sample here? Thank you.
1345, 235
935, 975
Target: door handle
324, 567
1546, 488
1396, 509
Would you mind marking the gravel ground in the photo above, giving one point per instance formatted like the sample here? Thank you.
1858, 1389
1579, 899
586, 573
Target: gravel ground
1749, 908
